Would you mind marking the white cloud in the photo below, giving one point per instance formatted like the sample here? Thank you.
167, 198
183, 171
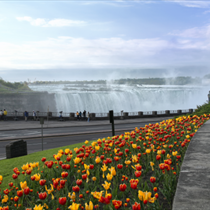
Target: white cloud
190, 3
68, 52
51, 23
196, 32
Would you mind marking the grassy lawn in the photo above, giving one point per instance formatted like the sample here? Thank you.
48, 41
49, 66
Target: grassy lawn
7, 165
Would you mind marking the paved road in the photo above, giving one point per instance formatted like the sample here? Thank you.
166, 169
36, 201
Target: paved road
62, 136
15, 134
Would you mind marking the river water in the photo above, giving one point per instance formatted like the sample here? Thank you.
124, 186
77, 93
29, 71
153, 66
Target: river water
102, 98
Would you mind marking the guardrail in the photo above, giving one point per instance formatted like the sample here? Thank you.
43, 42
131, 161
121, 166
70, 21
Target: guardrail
100, 116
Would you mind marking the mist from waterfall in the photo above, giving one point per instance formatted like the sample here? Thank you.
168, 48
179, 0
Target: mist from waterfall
100, 98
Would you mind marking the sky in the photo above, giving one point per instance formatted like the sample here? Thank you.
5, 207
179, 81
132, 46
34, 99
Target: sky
77, 40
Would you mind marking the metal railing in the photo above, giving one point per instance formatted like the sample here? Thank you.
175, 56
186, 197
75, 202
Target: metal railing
116, 114
161, 112
101, 114
132, 113
173, 111
147, 113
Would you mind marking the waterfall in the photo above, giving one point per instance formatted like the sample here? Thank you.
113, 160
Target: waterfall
101, 99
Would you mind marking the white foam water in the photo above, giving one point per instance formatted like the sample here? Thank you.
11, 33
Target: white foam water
102, 98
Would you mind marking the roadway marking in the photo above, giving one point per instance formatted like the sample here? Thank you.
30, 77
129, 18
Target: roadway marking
38, 143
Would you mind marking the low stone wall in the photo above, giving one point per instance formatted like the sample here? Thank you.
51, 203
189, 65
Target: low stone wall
27, 101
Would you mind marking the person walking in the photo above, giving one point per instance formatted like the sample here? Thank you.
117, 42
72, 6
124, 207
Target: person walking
1, 115
26, 115
80, 115
34, 115
5, 114
84, 115
77, 115
88, 116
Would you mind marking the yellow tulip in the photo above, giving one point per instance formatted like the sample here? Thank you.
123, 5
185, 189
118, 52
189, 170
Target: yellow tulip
37, 177
106, 185
60, 151
97, 148
46, 206
148, 151
127, 162
98, 159
5, 199
104, 168
67, 151
134, 158
1, 177
25, 167
39, 207
23, 185
50, 190
86, 167
94, 178
93, 144
113, 171
152, 164
109, 177
72, 196
77, 160
159, 152
86, 142
75, 149
97, 195
174, 153
146, 196
134, 146
89, 207
74, 206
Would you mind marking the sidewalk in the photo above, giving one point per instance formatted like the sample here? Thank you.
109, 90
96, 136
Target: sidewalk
20, 125
193, 190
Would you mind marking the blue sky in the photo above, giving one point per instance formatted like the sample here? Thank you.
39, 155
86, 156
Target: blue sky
104, 36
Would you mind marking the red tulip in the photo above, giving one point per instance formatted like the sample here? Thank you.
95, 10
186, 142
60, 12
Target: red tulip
137, 173
91, 166
136, 206
14, 176
133, 185
138, 168
68, 158
64, 174
43, 159
16, 198
42, 182
62, 200
19, 193
43, 195
10, 184
62, 182
126, 150
68, 166
79, 182
76, 188
152, 179
119, 166
123, 187
6, 192
26, 191
158, 157
84, 176
32, 178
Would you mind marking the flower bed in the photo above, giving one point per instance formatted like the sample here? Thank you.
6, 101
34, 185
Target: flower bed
136, 170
